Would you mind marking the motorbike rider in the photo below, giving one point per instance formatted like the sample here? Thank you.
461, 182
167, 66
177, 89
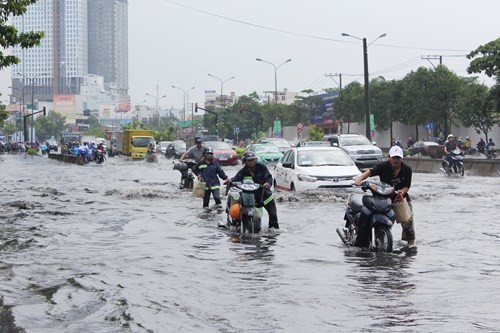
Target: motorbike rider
195, 152
490, 147
398, 174
207, 170
449, 146
260, 175
481, 146
468, 144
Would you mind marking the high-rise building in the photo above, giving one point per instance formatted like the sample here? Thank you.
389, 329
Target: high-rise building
108, 43
81, 37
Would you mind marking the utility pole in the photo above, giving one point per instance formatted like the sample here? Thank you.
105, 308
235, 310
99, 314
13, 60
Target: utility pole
340, 92
433, 57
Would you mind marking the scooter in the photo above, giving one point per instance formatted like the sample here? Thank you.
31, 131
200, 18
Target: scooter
242, 214
457, 165
187, 175
151, 156
99, 156
491, 152
369, 218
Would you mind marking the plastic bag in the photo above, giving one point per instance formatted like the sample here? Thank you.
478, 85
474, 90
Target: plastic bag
199, 189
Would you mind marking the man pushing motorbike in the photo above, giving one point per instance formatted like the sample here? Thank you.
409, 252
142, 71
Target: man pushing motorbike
398, 174
207, 170
260, 175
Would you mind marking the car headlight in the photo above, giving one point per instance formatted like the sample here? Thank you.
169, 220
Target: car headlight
306, 178
351, 152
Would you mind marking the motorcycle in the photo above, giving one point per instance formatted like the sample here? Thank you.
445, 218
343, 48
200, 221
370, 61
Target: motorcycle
369, 218
242, 214
151, 156
187, 174
457, 165
99, 156
490, 152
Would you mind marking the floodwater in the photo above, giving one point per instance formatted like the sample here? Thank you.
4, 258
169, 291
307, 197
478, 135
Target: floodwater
118, 248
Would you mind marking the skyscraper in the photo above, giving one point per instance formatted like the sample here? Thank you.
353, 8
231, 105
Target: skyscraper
108, 43
81, 37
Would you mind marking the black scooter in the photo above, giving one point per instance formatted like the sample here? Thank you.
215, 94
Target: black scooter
369, 218
187, 175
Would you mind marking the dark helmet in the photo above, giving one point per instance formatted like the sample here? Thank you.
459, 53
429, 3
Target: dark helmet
208, 150
198, 140
248, 156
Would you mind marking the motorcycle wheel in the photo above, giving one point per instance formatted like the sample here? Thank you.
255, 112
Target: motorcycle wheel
188, 183
460, 170
383, 239
250, 225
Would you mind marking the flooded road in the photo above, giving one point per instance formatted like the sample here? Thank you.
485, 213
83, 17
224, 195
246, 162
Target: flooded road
118, 248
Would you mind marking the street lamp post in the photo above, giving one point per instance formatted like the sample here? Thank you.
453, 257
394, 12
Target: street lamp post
21, 111
184, 93
275, 76
157, 98
32, 84
367, 91
222, 100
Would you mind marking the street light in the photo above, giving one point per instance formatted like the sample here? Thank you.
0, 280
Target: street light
222, 100
367, 91
157, 99
21, 111
32, 84
184, 100
275, 76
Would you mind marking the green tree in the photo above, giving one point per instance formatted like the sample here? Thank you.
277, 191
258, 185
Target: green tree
475, 108
489, 63
8, 128
3, 114
9, 36
315, 133
50, 125
351, 103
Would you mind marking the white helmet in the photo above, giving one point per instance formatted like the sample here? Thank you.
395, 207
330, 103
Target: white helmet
450, 136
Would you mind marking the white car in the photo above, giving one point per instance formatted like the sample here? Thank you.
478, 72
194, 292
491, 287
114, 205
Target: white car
310, 167
161, 147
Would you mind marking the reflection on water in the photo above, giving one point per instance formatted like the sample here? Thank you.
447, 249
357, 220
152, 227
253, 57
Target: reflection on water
119, 248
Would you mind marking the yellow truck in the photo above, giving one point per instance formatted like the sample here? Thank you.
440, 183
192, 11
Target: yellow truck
133, 143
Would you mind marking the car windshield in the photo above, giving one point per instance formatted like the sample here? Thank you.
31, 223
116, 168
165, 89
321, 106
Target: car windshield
180, 145
217, 145
141, 141
266, 149
278, 142
355, 141
323, 158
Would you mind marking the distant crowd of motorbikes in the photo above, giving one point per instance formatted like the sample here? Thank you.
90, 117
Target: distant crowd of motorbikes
22, 147
88, 152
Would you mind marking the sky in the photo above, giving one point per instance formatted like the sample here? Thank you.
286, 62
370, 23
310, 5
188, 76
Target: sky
180, 42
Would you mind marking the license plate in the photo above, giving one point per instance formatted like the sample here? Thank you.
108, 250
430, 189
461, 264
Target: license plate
222, 159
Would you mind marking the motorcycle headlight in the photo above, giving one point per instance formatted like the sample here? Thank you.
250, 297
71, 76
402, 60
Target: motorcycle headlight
306, 178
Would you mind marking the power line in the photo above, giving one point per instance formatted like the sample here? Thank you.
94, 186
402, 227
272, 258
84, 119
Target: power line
305, 35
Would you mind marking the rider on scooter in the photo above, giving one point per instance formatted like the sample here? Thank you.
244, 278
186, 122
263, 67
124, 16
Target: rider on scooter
260, 175
398, 174
449, 146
